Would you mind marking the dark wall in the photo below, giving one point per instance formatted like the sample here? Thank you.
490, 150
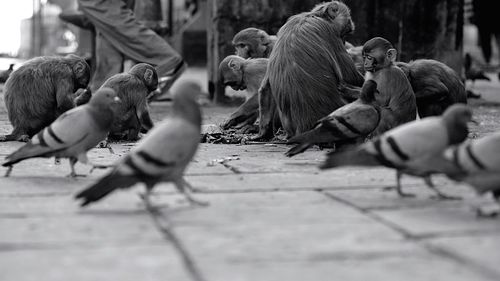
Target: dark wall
417, 28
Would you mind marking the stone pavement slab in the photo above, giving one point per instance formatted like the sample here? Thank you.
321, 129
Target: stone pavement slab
270, 218
105, 262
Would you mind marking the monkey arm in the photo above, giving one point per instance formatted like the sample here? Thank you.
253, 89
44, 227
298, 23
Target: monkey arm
246, 113
146, 122
64, 94
267, 112
349, 92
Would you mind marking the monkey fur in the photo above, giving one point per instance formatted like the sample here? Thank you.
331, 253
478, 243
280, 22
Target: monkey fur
307, 63
435, 84
40, 90
132, 115
253, 43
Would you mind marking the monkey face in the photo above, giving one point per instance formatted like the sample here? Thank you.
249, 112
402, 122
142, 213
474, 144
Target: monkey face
375, 60
243, 50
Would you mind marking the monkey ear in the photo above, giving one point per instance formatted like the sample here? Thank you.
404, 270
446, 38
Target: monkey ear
234, 65
79, 68
148, 76
392, 54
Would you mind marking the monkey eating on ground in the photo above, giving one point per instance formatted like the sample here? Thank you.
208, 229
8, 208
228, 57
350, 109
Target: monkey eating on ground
132, 114
435, 84
40, 90
253, 43
243, 74
307, 63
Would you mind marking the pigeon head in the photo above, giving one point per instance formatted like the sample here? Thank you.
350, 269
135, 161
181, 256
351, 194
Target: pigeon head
456, 118
104, 97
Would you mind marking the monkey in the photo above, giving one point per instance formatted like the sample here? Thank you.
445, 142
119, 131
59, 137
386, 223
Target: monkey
253, 43
435, 84
132, 115
40, 90
305, 67
243, 74
395, 94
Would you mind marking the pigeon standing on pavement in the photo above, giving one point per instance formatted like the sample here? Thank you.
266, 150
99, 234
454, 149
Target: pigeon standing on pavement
161, 156
475, 162
72, 134
403, 146
351, 122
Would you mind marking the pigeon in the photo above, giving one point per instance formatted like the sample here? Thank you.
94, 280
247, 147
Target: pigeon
72, 134
351, 122
474, 162
403, 147
161, 156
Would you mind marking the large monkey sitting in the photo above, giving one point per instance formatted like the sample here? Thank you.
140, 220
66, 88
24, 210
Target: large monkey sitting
308, 62
253, 43
243, 74
40, 90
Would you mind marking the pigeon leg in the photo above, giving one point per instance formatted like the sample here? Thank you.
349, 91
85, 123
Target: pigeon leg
146, 197
185, 188
9, 170
439, 194
490, 209
399, 189
72, 162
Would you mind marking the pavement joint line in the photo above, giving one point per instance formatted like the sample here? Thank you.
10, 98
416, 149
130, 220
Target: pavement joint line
485, 271
406, 234
289, 189
436, 250
165, 227
71, 245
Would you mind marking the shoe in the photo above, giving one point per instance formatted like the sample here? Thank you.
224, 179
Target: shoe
165, 83
77, 18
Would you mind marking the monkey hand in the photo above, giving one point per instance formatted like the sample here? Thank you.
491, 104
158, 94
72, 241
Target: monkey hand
248, 129
240, 118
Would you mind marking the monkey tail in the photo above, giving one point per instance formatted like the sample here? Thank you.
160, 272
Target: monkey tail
105, 186
357, 157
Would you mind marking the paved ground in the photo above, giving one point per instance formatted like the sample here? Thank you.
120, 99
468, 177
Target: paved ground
270, 218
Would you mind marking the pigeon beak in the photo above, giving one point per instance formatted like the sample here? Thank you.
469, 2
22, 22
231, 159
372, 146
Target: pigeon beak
117, 100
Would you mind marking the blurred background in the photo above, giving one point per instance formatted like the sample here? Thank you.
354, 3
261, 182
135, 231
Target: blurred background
201, 30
